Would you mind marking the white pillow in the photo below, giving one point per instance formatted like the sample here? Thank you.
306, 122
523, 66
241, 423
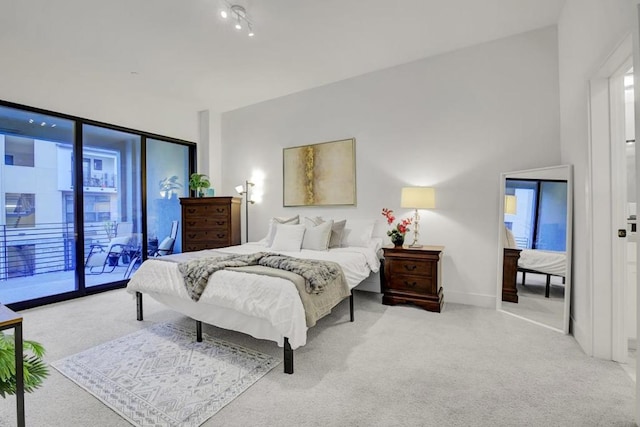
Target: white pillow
358, 232
316, 236
288, 238
268, 240
337, 230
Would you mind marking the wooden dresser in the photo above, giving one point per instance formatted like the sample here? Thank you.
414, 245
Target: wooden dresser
210, 222
413, 275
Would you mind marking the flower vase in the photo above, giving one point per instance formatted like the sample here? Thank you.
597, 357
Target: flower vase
397, 240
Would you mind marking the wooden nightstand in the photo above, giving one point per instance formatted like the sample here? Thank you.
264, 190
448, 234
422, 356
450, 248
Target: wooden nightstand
413, 275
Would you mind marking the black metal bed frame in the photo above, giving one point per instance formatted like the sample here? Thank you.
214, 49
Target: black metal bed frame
288, 351
524, 272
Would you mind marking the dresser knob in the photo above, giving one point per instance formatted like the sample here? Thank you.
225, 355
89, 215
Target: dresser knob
220, 235
191, 223
410, 267
220, 210
220, 222
410, 284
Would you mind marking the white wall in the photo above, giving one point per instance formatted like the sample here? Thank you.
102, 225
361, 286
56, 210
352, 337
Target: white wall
588, 32
454, 121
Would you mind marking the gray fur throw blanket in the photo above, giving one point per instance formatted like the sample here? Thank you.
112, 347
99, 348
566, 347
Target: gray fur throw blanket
317, 274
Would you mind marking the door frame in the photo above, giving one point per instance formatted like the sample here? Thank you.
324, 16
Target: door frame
619, 352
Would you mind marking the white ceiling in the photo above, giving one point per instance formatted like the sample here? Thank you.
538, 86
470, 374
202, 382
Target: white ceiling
183, 49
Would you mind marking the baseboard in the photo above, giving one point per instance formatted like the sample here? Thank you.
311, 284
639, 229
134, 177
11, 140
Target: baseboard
478, 300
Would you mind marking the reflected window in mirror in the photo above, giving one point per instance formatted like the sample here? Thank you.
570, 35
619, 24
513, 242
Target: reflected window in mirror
539, 220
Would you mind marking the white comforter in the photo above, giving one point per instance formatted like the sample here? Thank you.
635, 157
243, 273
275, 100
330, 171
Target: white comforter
548, 262
264, 307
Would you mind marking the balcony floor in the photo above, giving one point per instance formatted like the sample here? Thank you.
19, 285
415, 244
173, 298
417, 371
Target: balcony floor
26, 288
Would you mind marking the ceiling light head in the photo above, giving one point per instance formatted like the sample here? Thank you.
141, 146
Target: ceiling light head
239, 15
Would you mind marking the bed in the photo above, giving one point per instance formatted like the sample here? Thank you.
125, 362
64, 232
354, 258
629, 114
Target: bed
549, 263
264, 307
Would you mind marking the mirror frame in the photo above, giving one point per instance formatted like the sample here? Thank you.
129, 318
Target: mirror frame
561, 172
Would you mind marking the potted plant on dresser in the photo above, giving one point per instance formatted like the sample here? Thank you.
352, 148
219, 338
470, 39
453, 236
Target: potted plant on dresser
199, 182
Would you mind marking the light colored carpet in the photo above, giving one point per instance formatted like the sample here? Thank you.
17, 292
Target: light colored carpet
161, 376
393, 366
532, 303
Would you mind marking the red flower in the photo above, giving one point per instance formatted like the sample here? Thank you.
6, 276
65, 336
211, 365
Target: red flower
401, 228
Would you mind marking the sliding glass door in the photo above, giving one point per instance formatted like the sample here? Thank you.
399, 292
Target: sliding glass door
112, 205
36, 183
72, 197
167, 181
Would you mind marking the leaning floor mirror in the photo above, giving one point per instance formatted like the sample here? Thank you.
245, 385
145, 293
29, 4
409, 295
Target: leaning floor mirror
534, 267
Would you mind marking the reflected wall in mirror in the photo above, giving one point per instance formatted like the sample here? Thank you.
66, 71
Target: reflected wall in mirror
535, 245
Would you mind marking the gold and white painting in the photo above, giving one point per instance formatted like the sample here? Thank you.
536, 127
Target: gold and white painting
320, 174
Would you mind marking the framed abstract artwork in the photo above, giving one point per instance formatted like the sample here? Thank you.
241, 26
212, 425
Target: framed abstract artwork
322, 174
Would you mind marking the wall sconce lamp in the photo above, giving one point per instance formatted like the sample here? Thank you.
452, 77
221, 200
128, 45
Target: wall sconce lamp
510, 204
246, 191
417, 198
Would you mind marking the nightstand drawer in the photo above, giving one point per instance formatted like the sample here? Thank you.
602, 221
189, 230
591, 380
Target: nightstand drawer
418, 284
411, 266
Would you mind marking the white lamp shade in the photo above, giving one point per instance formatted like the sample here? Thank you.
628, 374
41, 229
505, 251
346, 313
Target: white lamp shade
418, 198
510, 204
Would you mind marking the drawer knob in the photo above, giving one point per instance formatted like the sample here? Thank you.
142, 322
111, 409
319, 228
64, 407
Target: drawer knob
220, 222
191, 223
221, 235
220, 210
191, 210
410, 284
192, 236
410, 267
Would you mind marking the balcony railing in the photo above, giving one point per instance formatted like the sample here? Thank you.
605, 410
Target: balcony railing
44, 248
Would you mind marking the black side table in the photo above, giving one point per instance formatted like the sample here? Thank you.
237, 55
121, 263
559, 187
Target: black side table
9, 319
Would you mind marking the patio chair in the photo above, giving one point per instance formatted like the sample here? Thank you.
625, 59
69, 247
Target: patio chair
102, 257
166, 246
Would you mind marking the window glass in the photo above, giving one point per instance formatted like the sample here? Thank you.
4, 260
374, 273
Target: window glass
20, 210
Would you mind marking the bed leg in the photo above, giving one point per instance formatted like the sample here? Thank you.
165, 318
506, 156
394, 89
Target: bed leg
546, 289
288, 357
198, 331
139, 306
524, 275
351, 306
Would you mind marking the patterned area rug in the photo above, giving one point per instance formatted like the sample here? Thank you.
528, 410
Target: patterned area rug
161, 376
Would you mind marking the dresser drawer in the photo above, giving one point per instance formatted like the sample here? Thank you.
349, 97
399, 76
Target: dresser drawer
207, 211
410, 266
203, 223
409, 283
198, 246
207, 236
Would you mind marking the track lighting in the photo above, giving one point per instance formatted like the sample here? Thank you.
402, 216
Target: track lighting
239, 13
